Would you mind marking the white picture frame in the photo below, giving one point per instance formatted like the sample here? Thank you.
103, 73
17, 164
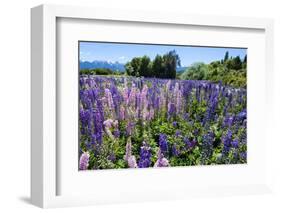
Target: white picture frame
44, 155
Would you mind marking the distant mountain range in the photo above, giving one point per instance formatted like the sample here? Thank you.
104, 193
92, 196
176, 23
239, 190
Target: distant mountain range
116, 66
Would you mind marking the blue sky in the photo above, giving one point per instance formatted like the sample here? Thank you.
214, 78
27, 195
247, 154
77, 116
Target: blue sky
121, 52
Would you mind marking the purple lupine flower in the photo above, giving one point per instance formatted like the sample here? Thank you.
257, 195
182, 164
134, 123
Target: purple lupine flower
130, 127
212, 105
116, 133
115, 96
163, 143
229, 121
81, 82
227, 139
85, 118
171, 109
93, 139
244, 124
235, 143
98, 120
207, 147
196, 132
84, 161
90, 82
178, 133
145, 156
186, 116
175, 150
242, 115
112, 157
99, 137
85, 100
243, 156
189, 143
243, 137
197, 93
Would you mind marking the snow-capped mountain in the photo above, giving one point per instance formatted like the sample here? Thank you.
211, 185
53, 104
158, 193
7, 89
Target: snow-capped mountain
116, 66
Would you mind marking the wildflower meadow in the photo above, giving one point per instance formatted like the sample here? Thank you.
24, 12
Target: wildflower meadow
142, 122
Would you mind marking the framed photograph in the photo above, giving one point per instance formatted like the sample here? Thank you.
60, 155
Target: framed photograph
129, 106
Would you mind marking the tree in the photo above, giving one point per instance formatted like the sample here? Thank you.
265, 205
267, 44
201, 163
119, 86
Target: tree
144, 69
171, 60
133, 67
234, 63
226, 56
157, 67
237, 63
129, 69
197, 71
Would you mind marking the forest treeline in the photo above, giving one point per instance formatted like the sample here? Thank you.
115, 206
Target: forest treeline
163, 66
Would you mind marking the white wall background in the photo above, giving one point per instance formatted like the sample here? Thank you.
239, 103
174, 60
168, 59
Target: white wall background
15, 104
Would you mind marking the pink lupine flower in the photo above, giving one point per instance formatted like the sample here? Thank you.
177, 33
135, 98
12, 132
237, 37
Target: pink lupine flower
161, 161
145, 115
132, 162
108, 123
143, 95
162, 101
128, 150
84, 161
144, 102
109, 99
178, 96
115, 124
129, 158
168, 84
125, 94
122, 113
132, 96
151, 113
